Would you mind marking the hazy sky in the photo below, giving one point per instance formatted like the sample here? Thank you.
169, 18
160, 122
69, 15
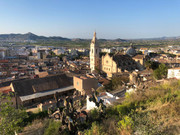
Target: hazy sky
80, 18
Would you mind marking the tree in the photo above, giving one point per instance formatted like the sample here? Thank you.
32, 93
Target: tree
119, 81
160, 72
61, 56
151, 65
148, 64
11, 119
30, 54
52, 53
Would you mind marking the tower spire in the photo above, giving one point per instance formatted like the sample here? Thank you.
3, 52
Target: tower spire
94, 54
94, 38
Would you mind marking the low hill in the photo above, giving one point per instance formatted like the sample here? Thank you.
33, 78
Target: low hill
28, 37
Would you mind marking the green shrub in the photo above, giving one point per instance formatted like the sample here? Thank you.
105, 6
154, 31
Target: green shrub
94, 114
151, 65
52, 128
160, 72
33, 116
11, 119
126, 123
119, 81
125, 108
96, 129
111, 111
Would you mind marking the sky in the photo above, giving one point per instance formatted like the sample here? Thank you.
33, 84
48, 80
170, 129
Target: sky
111, 19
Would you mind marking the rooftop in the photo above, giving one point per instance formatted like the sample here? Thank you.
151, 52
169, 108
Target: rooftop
138, 56
32, 86
45, 93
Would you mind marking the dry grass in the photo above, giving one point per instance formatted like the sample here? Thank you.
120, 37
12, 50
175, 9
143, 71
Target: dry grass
36, 128
163, 103
110, 126
155, 92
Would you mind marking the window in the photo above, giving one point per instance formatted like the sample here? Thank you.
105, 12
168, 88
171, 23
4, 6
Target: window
106, 61
96, 51
92, 51
77, 83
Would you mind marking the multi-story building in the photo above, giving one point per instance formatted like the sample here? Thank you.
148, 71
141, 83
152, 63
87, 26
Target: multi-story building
94, 54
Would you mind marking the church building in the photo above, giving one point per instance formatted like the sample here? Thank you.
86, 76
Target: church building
111, 65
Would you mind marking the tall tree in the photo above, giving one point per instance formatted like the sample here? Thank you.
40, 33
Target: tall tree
11, 119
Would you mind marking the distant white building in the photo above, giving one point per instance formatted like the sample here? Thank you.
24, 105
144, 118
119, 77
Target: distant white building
59, 51
107, 50
174, 73
22, 51
81, 50
2, 53
34, 50
108, 99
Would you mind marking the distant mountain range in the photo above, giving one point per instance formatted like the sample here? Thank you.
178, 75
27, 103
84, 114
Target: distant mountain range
159, 38
30, 37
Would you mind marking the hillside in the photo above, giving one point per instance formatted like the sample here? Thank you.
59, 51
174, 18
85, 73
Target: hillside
154, 111
28, 37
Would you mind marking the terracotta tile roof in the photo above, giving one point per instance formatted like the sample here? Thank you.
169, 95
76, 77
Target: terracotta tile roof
125, 62
7, 83
138, 56
32, 86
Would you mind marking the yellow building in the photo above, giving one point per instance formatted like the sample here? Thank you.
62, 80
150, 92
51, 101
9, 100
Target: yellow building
117, 64
143, 50
177, 56
139, 58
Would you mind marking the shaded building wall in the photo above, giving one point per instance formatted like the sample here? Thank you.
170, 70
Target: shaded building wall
85, 84
90, 83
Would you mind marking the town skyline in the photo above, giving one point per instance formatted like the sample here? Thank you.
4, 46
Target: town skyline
66, 82
89, 67
89, 38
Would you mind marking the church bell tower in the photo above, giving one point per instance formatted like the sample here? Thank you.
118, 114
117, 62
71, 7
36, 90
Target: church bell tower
94, 54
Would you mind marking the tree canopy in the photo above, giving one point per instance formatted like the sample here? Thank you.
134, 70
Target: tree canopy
11, 119
160, 72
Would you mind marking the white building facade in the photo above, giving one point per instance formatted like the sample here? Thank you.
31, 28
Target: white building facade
174, 73
108, 99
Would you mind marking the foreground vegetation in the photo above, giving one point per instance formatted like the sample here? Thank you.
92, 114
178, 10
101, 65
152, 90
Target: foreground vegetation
154, 111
